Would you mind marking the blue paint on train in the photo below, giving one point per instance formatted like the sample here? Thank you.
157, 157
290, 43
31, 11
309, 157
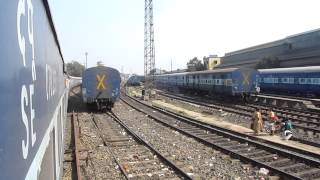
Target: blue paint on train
302, 80
231, 81
101, 86
33, 94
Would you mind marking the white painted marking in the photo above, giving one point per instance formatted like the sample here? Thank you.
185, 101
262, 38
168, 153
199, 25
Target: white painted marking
35, 166
22, 43
24, 101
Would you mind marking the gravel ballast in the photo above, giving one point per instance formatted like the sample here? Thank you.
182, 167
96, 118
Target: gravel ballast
200, 161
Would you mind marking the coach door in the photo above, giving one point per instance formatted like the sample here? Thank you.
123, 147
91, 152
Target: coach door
187, 81
193, 81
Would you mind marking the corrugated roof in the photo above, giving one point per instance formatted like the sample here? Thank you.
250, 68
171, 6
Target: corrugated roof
291, 70
203, 72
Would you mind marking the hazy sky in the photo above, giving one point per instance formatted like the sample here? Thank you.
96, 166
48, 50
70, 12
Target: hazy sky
112, 30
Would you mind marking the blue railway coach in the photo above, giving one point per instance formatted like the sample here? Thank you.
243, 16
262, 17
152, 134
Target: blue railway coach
101, 86
230, 81
299, 80
33, 92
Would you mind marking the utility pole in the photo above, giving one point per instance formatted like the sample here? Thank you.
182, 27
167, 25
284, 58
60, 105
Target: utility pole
171, 64
149, 53
86, 53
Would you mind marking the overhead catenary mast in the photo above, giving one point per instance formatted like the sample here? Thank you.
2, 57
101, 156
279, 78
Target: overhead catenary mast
149, 53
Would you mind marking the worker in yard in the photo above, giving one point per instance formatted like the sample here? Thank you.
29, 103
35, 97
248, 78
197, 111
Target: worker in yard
257, 121
272, 119
286, 128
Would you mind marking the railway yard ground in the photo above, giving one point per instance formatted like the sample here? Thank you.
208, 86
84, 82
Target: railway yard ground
134, 142
226, 120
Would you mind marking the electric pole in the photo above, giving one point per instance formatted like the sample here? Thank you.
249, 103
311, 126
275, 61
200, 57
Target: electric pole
149, 53
86, 59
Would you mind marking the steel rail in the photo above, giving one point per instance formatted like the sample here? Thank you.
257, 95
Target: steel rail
76, 148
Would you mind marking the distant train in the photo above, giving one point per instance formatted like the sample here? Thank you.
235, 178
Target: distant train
135, 80
101, 87
304, 81
230, 82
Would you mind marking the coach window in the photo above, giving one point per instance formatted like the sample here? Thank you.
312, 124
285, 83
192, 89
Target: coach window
275, 80
285, 80
302, 80
308, 81
291, 80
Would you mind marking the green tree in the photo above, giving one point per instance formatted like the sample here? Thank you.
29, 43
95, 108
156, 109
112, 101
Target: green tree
195, 64
74, 68
268, 62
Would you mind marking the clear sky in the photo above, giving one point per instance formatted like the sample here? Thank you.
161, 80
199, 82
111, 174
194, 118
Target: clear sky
112, 30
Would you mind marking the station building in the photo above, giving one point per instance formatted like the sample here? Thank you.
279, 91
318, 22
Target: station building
297, 50
211, 62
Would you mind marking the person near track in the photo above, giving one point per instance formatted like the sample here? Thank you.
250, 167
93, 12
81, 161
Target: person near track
286, 128
257, 122
272, 119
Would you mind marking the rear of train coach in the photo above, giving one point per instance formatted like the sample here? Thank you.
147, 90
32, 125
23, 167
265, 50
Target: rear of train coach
101, 87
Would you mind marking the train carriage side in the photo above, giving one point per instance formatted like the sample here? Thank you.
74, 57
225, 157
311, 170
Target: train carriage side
33, 92
101, 86
302, 80
231, 81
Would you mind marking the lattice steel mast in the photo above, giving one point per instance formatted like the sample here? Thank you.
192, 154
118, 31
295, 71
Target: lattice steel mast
149, 53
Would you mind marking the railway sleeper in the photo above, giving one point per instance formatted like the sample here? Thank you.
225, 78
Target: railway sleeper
134, 151
308, 173
227, 143
117, 139
263, 158
215, 138
239, 148
197, 133
143, 162
190, 129
253, 152
206, 136
154, 175
122, 143
197, 130
280, 162
292, 166
216, 141
143, 168
137, 148
136, 157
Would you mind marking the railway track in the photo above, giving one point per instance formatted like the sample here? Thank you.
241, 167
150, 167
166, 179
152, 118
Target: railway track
136, 158
314, 101
303, 121
283, 162
75, 129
